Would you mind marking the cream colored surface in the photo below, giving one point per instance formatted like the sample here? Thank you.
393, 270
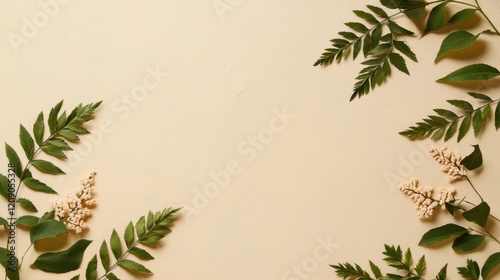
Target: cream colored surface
215, 81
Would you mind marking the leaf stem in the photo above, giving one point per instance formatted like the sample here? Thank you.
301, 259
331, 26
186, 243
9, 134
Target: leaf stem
474, 188
22, 258
486, 233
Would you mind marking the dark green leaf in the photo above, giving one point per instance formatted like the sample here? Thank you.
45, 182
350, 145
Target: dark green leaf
78, 129
356, 26
474, 160
442, 273
47, 229
436, 19
4, 186
367, 44
397, 29
141, 253
464, 127
474, 72
441, 233
491, 263
478, 215
115, 244
462, 15
64, 261
462, 104
451, 208
421, 266
27, 141
53, 116
366, 16
46, 216
6, 262
404, 49
111, 276
376, 35
140, 227
104, 255
416, 13
46, 167
3, 221
91, 271
77, 277
38, 186
378, 11
446, 113
376, 270
391, 4
131, 265
477, 122
348, 35
480, 96
59, 143
129, 235
14, 158
27, 220
398, 61
38, 128
26, 204
470, 272
497, 116
457, 40
467, 242
356, 49
69, 135
53, 151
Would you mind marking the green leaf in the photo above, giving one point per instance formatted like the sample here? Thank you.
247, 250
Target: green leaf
53, 116
421, 266
4, 186
455, 41
397, 29
356, 26
47, 229
404, 49
38, 186
38, 129
462, 15
378, 11
78, 129
471, 272
62, 121
398, 61
53, 151
467, 242
115, 244
415, 13
462, 104
5, 262
474, 160
77, 277
442, 273
141, 253
27, 141
366, 16
27, 221
446, 113
69, 135
104, 255
497, 116
436, 19
480, 96
478, 215
46, 216
491, 264
3, 221
26, 204
464, 127
46, 167
140, 227
129, 235
64, 261
348, 35
477, 122
131, 265
14, 158
91, 271
441, 233
59, 143
474, 72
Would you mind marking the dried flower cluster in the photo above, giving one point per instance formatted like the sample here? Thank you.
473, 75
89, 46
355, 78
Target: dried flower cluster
74, 209
450, 162
423, 197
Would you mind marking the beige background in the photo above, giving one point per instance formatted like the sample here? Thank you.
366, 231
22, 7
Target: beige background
325, 174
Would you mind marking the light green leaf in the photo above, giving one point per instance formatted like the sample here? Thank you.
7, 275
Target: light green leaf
491, 264
474, 160
104, 255
457, 40
14, 158
398, 61
115, 244
468, 242
38, 186
441, 233
141, 253
47, 229
27, 221
26, 204
46, 167
38, 129
128, 237
421, 266
27, 141
64, 261
436, 19
478, 215
131, 265
53, 151
462, 15
474, 72
91, 271
62, 120
477, 122
78, 129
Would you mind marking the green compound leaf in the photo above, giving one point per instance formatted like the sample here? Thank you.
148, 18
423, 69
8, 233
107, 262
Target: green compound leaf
491, 264
91, 271
64, 261
462, 15
134, 266
478, 215
474, 72
26, 204
27, 141
436, 18
441, 233
46, 167
474, 160
421, 266
471, 271
455, 41
468, 242
47, 229
38, 186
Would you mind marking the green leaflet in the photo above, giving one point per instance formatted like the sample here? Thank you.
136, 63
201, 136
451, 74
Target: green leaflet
27, 221
134, 266
455, 41
441, 233
462, 16
474, 160
478, 215
38, 186
491, 263
436, 19
468, 242
26, 204
91, 271
474, 72
115, 244
14, 158
104, 255
46, 166
27, 141
47, 229
38, 129
442, 275
64, 261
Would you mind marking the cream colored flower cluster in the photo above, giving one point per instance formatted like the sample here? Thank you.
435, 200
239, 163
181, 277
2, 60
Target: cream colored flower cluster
423, 197
450, 162
74, 209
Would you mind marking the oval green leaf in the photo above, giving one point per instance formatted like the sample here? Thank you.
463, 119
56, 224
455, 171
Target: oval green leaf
491, 263
468, 242
441, 233
64, 261
455, 41
47, 229
474, 72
